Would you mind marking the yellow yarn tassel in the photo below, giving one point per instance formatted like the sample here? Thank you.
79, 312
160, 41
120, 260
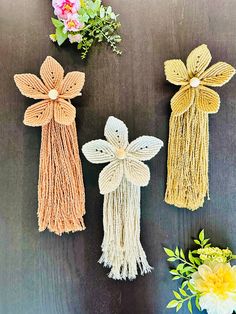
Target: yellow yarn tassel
187, 179
187, 173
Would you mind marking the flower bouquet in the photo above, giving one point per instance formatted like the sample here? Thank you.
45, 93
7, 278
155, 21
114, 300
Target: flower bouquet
85, 22
207, 277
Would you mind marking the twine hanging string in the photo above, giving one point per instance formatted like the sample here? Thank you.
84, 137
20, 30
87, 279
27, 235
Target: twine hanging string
61, 199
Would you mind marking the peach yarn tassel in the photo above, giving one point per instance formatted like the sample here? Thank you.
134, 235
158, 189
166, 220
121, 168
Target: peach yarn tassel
61, 199
60, 188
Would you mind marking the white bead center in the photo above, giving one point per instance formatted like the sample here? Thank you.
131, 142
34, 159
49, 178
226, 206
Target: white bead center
53, 94
120, 153
194, 82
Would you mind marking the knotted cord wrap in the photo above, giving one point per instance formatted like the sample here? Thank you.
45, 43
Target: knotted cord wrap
188, 147
61, 197
120, 182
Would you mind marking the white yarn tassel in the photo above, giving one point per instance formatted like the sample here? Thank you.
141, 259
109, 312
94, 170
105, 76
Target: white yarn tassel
121, 247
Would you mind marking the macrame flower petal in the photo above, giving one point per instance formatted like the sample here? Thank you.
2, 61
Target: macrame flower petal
176, 72
116, 132
198, 60
39, 114
51, 73
136, 172
31, 86
207, 100
99, 151
218, 74
182, 100
72, 84
110, 177
64, 112
144, 147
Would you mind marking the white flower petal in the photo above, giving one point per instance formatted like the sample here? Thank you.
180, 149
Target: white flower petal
98, 151
116, 132
110, 177
144, 147
215, 305
136, 172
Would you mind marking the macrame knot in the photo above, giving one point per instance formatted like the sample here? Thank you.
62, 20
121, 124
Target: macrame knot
120, 153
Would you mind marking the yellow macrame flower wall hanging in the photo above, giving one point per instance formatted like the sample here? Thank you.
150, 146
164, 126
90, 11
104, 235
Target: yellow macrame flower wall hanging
61, 200
187, 177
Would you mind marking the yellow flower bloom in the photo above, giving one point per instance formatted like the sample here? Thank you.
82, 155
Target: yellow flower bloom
219, 279
193, 80
217, 284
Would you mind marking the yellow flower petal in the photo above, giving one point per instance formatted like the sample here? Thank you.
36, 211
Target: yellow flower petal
198, 60
51, 73
218, 74
31, 86
176, 72
182, 100
39, 114
72, 84
64, 112
207, 100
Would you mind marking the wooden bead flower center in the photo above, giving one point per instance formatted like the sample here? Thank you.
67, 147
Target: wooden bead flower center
53, 94
194, 82
120, 153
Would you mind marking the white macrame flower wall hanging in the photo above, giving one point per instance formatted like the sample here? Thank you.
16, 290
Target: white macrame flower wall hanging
120, 182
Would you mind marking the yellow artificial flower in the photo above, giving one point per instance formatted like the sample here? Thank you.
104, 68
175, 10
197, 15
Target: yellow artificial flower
217, 278
193, 79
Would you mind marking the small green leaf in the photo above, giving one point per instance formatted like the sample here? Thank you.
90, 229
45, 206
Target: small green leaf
183, 292
182, 254
174, 272
178, 307
176, 278
57, 23
61, 36
169, 252
176, 294
177, 251
190, 306
201, 235
191, 258
197, 242
197, 303
172, 304
171, 259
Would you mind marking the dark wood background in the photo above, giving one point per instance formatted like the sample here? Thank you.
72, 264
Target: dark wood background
43, 273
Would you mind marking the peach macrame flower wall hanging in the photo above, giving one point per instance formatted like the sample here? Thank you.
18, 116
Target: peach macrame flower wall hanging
61, 200
187, 177
120, 183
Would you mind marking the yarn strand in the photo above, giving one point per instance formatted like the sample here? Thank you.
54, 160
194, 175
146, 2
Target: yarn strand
61, 196
121, 247
187, 166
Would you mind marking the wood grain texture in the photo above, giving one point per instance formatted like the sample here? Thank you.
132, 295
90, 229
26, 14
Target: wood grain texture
43, 273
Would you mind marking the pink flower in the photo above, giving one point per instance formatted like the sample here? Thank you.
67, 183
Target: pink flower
77, 38
72, 24
64, 7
